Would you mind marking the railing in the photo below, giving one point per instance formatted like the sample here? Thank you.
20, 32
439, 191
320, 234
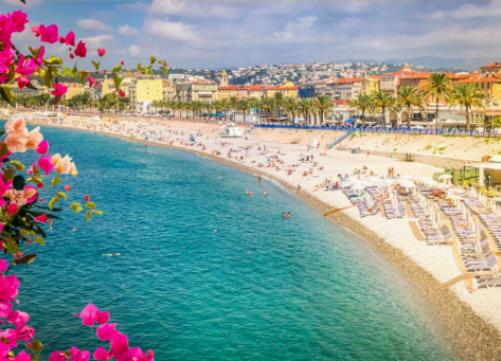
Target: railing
399, 130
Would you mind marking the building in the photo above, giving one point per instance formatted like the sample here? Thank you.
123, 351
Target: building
391, 82
370, 84
344, 88
74, 89
306, 91
199, 90
146, 90
492, 68
258, 91
169, 90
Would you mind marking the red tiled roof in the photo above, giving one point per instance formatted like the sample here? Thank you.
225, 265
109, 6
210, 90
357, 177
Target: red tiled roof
491, 66
480, 79
339, 102
257, 87
346, 81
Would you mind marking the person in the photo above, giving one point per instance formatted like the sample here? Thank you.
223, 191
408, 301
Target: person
265, 194
286, 215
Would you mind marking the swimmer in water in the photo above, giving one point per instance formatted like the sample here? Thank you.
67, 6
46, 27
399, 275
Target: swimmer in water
249, 193
265, 194
286, 215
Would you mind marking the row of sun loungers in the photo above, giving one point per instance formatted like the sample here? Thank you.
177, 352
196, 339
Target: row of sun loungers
432, 234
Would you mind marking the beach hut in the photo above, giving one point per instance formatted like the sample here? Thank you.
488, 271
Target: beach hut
231, 131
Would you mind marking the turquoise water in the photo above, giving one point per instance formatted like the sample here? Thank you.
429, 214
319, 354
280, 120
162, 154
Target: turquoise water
207, 273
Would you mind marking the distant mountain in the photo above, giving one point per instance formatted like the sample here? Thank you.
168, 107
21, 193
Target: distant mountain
439, 63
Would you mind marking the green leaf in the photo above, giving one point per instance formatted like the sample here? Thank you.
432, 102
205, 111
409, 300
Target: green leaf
62, 195
67, 72
152, 60
30, 258
3, 149
55, 181
53, 60
96, 64
76, 207
90, 205
88, 214
19, 165
53, 202
40, 241
6, 94
36, 346
8, 174
117, 80
98, 212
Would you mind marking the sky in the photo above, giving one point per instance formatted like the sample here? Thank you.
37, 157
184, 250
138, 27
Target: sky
230, 33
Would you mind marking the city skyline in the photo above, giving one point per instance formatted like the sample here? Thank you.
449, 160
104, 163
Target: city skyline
224, 33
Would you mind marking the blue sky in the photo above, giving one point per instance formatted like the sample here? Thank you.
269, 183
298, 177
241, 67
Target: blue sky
226, 33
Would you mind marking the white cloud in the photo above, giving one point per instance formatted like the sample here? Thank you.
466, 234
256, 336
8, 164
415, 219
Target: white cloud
298, 28
174, 30
97, 41
203, 9
127, 30
93, 24
134, 50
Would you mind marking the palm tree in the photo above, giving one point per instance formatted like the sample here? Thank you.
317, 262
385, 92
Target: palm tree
323, 105
383, 101
267, 105
244, 106
363, 103
305, 106
408, 97
467, 96
439, 88
291, 107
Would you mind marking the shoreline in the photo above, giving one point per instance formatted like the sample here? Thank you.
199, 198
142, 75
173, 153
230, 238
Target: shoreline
467, 333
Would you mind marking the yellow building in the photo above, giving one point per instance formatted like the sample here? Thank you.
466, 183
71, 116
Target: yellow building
169, 90
199, 90
147, 90
261, 91
370, 84
74, 89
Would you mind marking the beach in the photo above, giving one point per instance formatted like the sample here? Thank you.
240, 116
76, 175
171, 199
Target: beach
301, 161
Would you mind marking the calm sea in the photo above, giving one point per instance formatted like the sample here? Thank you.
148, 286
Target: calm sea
207, 273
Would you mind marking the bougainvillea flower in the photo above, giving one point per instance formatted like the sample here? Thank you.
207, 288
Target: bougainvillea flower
57, 356
69, 39
27, 196
4, 265
45, 164
15, 124
26, 66
101, 354
91, 81
59, 90
86, 198
90, 314
22, 81
64, 165
79, 355
67, 187
22, 356
40, 55
81, 49
48, 34
12, 209
34, 138
121, 93
18, 20
119, 346
25, 333
18, 318
41, 218
106, 331
5, 309
9, 286
43, 147
101, 52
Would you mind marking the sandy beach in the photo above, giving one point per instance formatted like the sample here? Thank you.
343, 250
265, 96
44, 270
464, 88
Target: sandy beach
471, 317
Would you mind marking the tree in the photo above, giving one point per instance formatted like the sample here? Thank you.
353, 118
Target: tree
267, 106
362, 103
291, 107
467, 96
383, 101
305, 106
323, 104
438, 88
244, 106
408, 97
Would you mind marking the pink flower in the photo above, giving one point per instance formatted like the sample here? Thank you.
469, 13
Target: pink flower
121, 93
26, 66
64, 165
91, 81
79, 355
39, 57
106, 331
4, 265
15, 124
22, 81
101, 52
91, 314
119, 346
18, 318
48, 34
57, 356
9, 286
12, 209
100, 354
69, 39
67, 187
23, 356
43, 147
18, 20
25, 333
59, 90
81, 49
45, 164
34, 138
42, 218
5, 309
